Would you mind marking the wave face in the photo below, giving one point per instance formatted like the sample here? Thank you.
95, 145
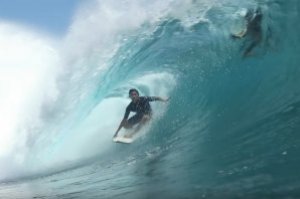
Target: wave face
229, 130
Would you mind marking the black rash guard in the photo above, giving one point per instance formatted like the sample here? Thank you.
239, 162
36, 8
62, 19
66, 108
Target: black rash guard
141, 107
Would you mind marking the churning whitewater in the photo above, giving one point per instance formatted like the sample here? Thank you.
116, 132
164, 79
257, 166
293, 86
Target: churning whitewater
230, 129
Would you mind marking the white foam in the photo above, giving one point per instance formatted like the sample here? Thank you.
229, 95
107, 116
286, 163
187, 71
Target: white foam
28, 64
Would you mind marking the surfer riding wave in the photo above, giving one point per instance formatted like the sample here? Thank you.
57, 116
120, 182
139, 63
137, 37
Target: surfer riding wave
140, 105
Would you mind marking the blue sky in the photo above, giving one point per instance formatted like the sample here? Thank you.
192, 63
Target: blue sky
52, 16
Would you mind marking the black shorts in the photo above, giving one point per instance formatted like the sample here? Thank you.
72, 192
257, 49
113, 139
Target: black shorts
136, 119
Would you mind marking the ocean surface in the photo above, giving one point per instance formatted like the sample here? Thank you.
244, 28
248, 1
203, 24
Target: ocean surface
230, 130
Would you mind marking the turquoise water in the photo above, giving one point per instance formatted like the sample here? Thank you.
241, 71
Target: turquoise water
230, 130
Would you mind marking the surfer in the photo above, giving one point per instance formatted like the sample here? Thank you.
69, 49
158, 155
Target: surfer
253, 29
140, 105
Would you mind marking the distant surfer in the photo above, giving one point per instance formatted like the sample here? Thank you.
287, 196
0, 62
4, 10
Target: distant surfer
253, 29
140, 105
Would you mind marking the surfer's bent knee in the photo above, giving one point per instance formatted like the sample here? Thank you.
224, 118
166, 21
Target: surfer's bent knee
146, 118
126, 125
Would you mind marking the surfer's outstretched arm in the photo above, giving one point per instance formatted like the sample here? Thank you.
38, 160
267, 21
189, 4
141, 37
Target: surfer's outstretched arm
160, 99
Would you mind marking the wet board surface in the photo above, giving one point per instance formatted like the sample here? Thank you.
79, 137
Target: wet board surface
122, 140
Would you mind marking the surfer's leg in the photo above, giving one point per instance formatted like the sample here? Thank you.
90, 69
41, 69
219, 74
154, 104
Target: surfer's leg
133, 121
249, 49
255, 42
143, 121
127, 125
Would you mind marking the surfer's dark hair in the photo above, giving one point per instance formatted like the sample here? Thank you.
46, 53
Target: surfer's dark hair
133, 90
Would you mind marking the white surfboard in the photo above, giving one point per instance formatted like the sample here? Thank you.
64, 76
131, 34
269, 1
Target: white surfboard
123, 140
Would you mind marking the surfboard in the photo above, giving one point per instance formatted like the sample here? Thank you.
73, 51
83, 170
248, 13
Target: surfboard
123, 140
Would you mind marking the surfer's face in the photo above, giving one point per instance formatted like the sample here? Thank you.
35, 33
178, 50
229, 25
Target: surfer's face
134, 96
